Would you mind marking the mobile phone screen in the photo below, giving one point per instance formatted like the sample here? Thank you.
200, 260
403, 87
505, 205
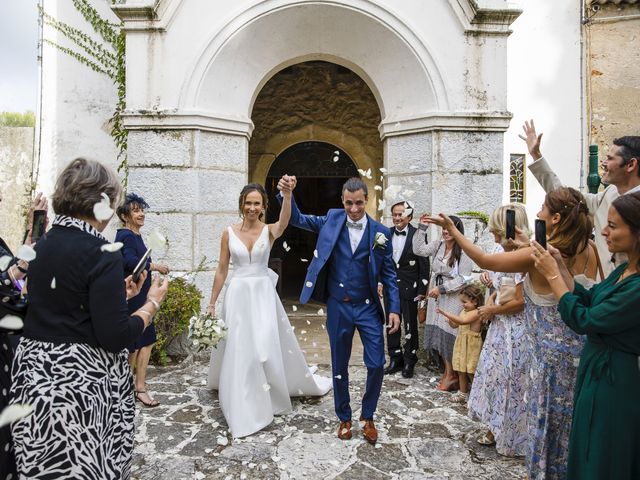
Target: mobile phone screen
141, 265
541, 233
39, 217
510, 224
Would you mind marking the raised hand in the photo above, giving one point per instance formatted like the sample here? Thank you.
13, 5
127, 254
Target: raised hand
485, 279
286, 184
532, 139
441, 220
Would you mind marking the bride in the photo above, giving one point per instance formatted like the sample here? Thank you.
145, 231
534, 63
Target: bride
259, 364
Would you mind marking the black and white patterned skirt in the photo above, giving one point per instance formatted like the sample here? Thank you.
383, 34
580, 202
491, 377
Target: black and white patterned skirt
82, 423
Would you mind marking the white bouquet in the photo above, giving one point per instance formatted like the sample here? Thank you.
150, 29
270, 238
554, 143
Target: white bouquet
205, 331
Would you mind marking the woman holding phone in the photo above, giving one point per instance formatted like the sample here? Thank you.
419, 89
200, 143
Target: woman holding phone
554, 347
132, 214
604, 440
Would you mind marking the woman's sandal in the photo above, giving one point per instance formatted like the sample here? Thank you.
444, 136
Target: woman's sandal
487, 440
450, 387
151, 404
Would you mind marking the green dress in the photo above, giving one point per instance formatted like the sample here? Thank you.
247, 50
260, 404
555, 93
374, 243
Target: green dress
605, 434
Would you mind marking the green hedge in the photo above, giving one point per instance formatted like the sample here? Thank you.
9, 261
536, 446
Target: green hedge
181, 303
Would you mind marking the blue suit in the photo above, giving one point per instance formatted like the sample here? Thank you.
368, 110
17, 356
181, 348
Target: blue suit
348, 283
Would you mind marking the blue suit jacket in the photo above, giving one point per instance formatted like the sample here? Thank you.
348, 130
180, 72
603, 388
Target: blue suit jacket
328, 227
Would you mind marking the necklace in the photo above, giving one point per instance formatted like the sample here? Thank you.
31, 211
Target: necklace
625, 274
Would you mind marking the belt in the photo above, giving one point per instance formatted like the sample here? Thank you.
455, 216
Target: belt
349, 299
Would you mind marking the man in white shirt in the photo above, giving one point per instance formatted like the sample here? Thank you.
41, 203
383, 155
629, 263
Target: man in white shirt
413, 277
621, 174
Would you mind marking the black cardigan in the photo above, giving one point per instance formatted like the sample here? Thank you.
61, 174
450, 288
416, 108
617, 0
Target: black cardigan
88, 304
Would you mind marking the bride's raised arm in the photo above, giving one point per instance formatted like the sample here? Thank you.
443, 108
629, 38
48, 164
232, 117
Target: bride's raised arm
278, 228
221, 272
516, 262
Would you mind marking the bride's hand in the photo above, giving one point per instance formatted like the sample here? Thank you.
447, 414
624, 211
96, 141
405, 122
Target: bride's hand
211, 310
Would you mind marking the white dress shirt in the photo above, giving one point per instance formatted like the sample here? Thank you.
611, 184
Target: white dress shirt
355, 235
398, 242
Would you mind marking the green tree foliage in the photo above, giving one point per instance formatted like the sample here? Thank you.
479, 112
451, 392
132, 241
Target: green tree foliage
182, 302
15, 119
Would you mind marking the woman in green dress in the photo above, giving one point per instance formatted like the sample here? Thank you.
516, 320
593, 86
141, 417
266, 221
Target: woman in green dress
605, 433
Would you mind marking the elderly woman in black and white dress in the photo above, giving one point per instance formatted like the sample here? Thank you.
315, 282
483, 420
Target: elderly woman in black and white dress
71, 364
449, 267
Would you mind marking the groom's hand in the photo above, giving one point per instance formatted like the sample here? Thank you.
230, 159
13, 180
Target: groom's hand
394, 322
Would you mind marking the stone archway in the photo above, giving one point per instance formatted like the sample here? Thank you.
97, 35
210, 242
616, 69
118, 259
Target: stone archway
321, 102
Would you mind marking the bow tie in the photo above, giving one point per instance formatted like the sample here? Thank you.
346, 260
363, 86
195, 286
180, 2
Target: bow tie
398, 232
357, 226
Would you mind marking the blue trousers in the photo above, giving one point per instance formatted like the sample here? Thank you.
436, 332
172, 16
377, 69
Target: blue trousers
342, 320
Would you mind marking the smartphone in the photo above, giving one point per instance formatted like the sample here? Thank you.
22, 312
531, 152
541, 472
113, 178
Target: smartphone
141, 265
541, 233
39, 219
511, 224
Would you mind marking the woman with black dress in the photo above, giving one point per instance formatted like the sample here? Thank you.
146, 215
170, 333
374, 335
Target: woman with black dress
131, 214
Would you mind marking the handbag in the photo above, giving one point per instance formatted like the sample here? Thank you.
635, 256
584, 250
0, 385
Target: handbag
507, 290
422, 310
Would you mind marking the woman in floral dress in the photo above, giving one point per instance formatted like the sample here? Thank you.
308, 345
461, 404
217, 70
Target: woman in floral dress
449, 266
497, 395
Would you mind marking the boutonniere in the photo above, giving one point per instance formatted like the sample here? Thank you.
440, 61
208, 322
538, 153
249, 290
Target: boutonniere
380, 241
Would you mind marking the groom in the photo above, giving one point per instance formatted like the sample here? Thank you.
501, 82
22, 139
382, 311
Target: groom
353, 254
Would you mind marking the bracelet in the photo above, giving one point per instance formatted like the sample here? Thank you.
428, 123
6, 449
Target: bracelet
155, 304
23, 270
553, 278
142, 310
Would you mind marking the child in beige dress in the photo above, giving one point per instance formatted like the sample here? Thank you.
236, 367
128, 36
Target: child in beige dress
466, 351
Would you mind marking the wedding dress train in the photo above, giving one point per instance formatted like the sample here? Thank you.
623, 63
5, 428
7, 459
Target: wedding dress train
259, 365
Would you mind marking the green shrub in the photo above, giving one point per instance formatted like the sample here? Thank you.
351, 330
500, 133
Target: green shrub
17, 119
182, 302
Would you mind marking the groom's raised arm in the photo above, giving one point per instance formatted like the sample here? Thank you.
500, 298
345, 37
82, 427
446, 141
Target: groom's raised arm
313, 223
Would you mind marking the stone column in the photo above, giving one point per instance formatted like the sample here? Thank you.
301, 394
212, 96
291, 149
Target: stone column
191, 179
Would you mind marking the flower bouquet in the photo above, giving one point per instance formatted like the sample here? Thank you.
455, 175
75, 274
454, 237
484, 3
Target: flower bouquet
205, 331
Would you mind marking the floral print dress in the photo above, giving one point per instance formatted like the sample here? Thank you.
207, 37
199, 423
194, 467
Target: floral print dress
555, 355
498, 390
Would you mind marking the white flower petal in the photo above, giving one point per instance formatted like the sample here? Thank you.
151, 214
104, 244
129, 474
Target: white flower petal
14, 412
285, 246
294, 308
309, 284
407, 212
53, 283
336, 158
102, 210
5, 260
320, 311
156, 240
339, 377
381, 205
415, 284
266, 387
111, 247
26, 253
412, 262
11, 322
377, 187
337, 152
302, 332
392, 191
383, 170
315, 253
407, 336
222, 440
424, 281
304, 260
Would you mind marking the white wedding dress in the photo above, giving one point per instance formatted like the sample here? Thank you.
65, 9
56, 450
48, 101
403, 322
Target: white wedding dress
259, 364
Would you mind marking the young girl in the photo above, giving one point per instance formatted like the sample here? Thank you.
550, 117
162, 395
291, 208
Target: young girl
466, 350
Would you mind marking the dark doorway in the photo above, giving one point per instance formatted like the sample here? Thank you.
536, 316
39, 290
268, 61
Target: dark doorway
321, 170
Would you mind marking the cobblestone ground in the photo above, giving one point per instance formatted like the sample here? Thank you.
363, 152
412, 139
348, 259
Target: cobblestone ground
422, 434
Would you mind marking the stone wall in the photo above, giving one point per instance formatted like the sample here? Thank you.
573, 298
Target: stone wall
613, 65
16, 154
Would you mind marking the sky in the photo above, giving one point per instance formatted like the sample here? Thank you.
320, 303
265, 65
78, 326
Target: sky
18, 55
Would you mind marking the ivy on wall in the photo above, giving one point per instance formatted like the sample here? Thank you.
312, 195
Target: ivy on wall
107, 59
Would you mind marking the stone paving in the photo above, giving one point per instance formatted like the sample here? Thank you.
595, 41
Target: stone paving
422, 434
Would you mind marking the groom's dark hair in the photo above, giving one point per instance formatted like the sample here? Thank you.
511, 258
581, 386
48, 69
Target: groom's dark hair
354, 184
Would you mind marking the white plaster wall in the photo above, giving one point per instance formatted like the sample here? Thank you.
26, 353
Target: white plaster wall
76, 101
544, 84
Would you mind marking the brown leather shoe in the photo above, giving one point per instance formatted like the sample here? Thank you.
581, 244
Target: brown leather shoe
344, 430
369, 431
